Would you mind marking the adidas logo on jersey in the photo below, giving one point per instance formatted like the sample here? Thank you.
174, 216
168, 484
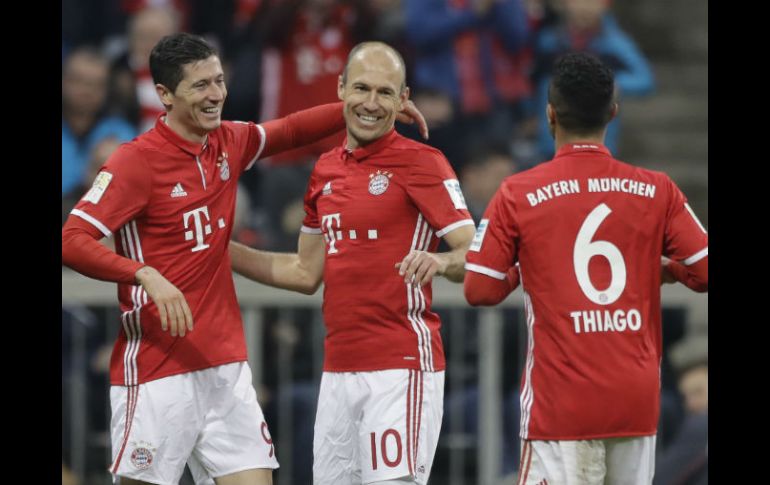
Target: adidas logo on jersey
327, 188
178, 191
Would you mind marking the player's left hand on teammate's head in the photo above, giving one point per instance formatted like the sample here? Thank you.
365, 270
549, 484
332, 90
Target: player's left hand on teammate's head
409, 114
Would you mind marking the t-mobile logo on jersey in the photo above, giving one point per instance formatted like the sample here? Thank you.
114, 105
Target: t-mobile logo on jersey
200, 228
328, 225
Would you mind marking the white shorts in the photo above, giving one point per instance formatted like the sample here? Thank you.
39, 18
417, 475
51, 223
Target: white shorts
612, 461
209, 418
378, 425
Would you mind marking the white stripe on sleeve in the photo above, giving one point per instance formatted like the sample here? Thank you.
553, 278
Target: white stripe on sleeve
484, 270
93, 221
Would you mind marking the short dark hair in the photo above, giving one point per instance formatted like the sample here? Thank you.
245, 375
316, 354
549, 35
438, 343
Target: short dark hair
582, 92
360, 46
172, 52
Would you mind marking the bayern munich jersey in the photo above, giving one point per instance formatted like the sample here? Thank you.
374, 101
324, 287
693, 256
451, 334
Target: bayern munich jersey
588, 233
170, 203
373, 205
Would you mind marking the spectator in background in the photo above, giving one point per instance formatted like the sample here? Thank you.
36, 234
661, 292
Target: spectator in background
85, 121
90, 22
306, 45
685, 460
482, 175
98, 156
468, 56
588, 25
132, 88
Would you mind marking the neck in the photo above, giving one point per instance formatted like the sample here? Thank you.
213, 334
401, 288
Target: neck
179, 129
562, 138
352, 142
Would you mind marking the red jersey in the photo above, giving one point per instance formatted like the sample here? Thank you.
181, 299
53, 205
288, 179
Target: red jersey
373, 205
170, 203
588, 233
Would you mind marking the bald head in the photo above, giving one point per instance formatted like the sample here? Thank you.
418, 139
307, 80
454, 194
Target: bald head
373, 89
146, 28
379, 53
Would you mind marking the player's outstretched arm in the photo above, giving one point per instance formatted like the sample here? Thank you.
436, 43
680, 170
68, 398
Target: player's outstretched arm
301, 271
421, 266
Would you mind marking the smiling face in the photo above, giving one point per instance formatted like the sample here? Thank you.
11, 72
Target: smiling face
195, 107
373, 93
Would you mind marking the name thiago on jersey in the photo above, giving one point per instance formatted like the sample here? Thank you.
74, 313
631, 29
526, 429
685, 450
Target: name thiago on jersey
590, 321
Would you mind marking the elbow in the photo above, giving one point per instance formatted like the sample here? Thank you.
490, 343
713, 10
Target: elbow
699, 286
310, 288
307, 290
67, 246
477, 298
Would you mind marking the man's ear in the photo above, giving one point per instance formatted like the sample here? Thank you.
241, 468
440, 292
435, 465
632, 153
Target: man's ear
165, 95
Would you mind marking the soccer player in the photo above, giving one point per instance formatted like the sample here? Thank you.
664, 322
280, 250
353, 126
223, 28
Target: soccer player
375, 210
181, 385
584, 234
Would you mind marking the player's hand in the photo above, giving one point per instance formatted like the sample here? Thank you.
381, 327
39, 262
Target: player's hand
409, 114
666, 276
172, 306
420, 266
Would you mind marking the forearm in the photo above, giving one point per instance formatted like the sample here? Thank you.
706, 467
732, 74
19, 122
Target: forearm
84, 253
281, 270
302, 128
452, 264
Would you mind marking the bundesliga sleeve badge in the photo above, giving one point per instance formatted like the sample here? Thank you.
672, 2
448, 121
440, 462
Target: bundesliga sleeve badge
101, 182
378, 182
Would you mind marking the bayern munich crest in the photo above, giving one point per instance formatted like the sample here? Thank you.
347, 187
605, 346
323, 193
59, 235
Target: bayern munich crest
378, 182
224, 168
141, 457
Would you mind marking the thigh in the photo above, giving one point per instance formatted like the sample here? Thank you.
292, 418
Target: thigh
580, 462
335, 444
154, 428
630, 461
234, 436
400, 426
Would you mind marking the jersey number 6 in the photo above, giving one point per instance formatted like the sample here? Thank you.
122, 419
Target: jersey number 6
585, 249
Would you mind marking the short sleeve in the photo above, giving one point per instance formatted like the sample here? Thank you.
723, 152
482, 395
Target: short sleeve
685, 238
120, 191
249, 140
311, 224
494, 250
435, 190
